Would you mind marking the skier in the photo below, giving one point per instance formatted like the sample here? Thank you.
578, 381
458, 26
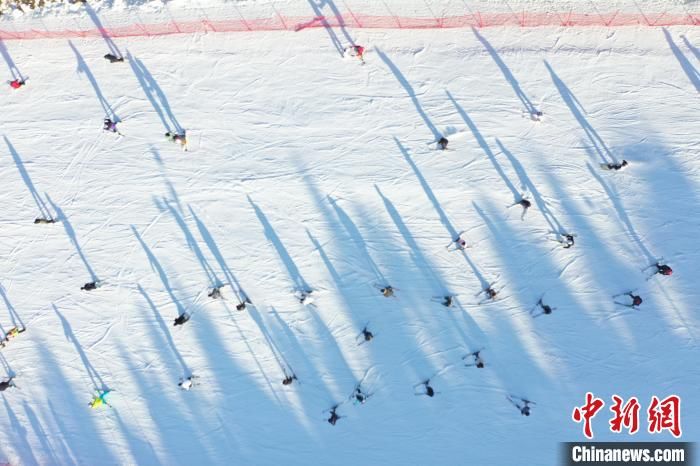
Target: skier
113, 58
12, 333
387, 291
636, 300
460, 243
536, 115
616, 166
635, 303
181, 319
188, 383
304, 297
442, 143
546, 309
568, 240
428, 389
478, 360
334, 416
17, 83
44, 220
663, 269
90, 286
526, 205
4, 385
110, 126
447, 301
289, 379
242, 304
99, 399
360, 396
490, 293
215, 293
178, 138
356, 51
367, 334
525, 408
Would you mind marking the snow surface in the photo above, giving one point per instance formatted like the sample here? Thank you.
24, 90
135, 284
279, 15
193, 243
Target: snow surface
309, 170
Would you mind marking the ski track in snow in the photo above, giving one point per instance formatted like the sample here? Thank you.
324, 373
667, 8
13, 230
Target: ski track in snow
309, 170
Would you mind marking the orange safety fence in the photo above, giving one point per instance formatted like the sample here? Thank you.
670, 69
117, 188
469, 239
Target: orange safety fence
354, 20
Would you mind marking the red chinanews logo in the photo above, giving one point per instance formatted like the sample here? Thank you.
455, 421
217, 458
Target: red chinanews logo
661, 415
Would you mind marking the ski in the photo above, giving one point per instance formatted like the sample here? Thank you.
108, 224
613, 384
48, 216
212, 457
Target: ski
631, 306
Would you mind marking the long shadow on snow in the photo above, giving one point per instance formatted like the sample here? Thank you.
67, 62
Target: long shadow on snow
347, 250
441, 213
166, 331
97, 381
230, 277
14, 316
73, 415
41, 205
83, 68
622, 215
113, 49
307, 366
191, 241
590, 246
411, 93
333, 36
6, 365
513, 256
578, 111
63, 218
688, 68
349, 299
212, 344
527, 184
360, 244
506, 73
681, 196
172, 419
428, 270
22, 446
484, 145
16, 74
41, 434
241, 295
435, 339
140, 448
155, 94
421, 262
272, 346
691, 47
299, 282
63, 439
155, 265
211, 338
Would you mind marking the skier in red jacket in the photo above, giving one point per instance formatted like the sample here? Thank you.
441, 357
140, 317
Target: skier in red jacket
17, 83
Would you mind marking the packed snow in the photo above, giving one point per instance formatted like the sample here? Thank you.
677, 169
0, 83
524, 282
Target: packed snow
306, 170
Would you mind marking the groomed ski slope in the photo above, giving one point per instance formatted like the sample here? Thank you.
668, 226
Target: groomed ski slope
306, 169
